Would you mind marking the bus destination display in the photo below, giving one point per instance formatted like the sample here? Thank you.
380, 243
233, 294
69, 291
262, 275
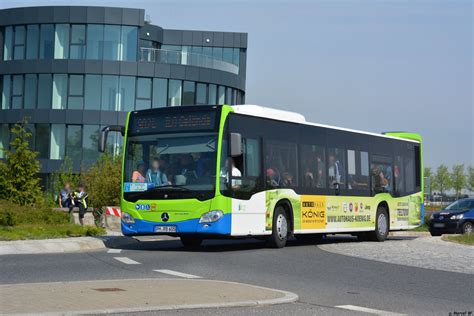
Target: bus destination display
173, 122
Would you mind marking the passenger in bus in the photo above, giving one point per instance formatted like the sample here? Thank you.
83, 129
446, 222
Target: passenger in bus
139, 174
230, 166
155, 175
273, 178
187, 166
312, 180
335, 172
287, 180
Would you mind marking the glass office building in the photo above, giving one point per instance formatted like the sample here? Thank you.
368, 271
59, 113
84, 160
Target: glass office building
73, 69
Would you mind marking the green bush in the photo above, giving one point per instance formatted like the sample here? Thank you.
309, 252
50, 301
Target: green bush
12, 214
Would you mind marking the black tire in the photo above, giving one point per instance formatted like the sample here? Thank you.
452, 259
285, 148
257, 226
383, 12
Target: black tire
191, 242
309, 238
467, 228
279, 235
433, 234
381, 231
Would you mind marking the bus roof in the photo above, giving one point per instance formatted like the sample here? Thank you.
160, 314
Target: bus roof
294, 117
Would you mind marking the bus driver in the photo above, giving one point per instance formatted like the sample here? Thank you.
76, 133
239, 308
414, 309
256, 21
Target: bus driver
229, 163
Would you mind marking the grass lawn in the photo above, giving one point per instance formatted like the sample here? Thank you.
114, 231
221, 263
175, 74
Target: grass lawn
466, 239
44, 231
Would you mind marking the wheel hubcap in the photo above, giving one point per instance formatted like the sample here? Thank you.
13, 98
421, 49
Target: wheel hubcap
382, 224
282, 227
468, 228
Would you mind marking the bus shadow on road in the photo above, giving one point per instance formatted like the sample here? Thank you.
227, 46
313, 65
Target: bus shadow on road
230, 245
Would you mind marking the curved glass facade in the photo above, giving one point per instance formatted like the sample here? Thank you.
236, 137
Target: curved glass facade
107, 92
70, 41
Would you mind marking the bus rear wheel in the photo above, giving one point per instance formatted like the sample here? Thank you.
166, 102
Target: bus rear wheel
191, 241
381, 225
279, 235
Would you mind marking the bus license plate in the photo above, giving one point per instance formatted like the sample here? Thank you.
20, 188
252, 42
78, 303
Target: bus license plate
165, 229
438, 225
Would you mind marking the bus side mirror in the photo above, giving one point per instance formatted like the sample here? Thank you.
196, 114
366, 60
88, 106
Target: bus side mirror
105, 132
235, 144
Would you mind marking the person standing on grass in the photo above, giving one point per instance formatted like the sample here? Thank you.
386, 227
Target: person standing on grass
64, 196
80, 200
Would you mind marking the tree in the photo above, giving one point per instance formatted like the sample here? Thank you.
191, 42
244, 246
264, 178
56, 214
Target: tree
103, 182
458, 179
19, 181
429, 174
442, 180
470, 179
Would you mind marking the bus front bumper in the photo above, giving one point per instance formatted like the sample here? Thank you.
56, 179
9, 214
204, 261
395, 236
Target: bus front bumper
192, 226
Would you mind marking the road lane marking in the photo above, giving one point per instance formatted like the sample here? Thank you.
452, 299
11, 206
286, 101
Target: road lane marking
179, 274
114, 251
369, 310
126, 260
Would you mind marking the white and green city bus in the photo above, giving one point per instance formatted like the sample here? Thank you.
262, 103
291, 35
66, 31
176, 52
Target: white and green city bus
201, 172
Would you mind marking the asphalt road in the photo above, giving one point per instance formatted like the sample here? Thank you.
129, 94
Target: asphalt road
323, 280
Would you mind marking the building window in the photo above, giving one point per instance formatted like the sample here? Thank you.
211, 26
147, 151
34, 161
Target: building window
90, 137
45, 84
31, 84
212, 94
32, 40
217, 53
201, 93
17, 92
74, 142
61, 41
174, 93
8, 43
6, 92
109, 92
59, 91
4, 139
95, 41
236, 56
160, 92
93, 86
129, 43
19, 45
76, 92
189, 92
228, 55
143, 93
228, 97
47, 41
78, 41
126, 94
30, 128
42, 140
221, 95
58, 137
112, 42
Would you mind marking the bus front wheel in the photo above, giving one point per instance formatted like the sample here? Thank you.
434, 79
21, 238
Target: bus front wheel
191, 241
280, 229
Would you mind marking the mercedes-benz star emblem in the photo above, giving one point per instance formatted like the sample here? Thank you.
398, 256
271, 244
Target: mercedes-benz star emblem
165, 217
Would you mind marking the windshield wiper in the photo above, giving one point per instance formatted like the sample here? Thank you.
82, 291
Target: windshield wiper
174, 186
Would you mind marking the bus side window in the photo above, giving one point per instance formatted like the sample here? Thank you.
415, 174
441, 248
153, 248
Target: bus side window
249, 167
280, 164
313, 166
399, 175
357, 170
382, 175
336, 168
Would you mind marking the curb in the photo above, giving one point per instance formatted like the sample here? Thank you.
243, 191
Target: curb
288, 297
63, 245
409, 234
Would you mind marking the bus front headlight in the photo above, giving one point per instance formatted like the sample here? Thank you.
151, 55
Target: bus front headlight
211, 216
127, 218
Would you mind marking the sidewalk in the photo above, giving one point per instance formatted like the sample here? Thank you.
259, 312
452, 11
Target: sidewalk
137, 295
58, 245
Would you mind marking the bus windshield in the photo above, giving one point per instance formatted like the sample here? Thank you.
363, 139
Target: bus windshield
178, 165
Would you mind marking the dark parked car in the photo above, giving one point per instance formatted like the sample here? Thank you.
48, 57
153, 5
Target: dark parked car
457, 218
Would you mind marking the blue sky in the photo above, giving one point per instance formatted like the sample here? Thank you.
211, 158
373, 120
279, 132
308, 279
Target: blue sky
369, 65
